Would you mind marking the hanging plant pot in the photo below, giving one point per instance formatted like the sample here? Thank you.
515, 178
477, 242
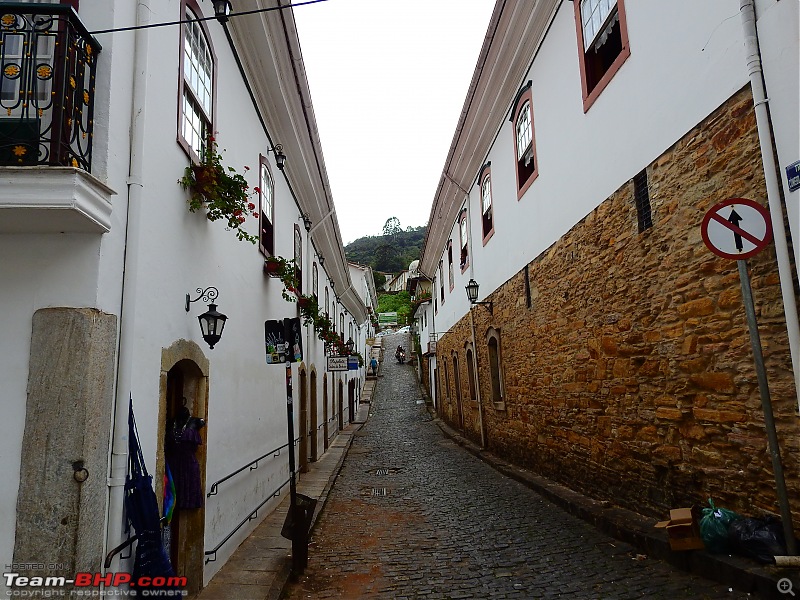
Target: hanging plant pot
272, 268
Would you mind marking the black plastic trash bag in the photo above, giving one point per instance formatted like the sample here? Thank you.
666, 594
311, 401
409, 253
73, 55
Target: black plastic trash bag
714, 526
760, 539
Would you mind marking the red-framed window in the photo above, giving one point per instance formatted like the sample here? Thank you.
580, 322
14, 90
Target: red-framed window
463, 236
602, 44
266, 208
441, 281
524, 140
487, 209
451, 279
298, 257
197, 90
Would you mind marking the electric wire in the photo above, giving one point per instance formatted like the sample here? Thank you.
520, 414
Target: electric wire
184, 21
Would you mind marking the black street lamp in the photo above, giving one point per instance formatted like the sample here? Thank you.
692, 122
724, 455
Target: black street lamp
222, 10
212, 322
350, 345
280, 157
472, 295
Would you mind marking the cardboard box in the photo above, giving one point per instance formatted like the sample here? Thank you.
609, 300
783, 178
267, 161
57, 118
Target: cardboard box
683, 531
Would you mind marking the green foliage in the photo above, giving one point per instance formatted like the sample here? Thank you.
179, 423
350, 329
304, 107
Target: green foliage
399, 302
221, 190
389, 254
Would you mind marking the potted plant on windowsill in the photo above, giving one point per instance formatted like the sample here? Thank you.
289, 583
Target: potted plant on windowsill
221, 190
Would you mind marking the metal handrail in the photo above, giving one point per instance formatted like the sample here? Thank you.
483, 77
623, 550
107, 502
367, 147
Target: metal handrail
215, 486
253, 514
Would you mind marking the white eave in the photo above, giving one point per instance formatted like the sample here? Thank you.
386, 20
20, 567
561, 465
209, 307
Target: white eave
45, 199
516, 30
269, 48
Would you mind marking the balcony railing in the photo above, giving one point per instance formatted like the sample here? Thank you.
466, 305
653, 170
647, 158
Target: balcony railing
47, 86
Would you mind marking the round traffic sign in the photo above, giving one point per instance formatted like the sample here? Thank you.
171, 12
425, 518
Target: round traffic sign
736, 228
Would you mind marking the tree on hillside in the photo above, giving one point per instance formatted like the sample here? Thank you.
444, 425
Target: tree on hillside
392, 227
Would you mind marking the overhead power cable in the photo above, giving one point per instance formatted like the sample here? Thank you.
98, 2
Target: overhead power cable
183, 21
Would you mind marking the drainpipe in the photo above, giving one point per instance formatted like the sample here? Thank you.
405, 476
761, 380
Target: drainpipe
760, 101
119, 432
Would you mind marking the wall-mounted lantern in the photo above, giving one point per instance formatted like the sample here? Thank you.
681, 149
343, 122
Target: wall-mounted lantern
472, 295
212, 322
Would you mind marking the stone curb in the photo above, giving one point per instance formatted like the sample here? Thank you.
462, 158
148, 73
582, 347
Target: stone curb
632, 528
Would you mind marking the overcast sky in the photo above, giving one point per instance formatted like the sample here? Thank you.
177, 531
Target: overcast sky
388, 80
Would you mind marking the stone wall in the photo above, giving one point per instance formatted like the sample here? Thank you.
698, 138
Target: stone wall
631, 377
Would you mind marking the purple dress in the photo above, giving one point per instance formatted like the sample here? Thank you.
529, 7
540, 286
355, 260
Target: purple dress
181, 444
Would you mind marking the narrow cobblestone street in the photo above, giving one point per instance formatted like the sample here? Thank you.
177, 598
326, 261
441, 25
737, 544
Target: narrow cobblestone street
413, 515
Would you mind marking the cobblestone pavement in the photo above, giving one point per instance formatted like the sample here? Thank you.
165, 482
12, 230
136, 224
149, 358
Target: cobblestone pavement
412, 515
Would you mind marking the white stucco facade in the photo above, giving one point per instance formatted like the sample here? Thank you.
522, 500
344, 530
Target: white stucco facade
155, 252
665, 87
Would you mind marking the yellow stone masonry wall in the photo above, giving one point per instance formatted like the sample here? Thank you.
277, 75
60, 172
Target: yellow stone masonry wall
630, 377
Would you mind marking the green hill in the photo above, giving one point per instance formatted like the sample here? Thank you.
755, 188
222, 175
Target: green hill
391, 252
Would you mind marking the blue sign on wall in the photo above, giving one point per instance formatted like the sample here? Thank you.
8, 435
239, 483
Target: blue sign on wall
352, 363
793, 175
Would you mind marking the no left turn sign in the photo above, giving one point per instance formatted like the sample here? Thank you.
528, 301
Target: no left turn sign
736, 228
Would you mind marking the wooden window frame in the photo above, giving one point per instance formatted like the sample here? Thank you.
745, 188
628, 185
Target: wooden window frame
496, 379
197, 13
590, 95
487, 214
266, 222
463, 239
451, 278
525, 175
297, 246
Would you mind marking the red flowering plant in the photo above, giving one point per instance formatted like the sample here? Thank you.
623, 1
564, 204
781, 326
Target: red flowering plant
286, 271
222, 191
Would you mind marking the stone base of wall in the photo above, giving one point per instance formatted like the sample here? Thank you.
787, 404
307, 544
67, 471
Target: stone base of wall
67, 421
630, 377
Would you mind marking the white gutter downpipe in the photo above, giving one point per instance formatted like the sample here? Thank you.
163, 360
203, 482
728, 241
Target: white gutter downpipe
119, 433
753, 58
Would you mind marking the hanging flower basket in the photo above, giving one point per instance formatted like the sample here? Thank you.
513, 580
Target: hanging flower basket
222, 191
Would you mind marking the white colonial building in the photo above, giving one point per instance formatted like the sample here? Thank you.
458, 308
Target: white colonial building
104, 103
608, 347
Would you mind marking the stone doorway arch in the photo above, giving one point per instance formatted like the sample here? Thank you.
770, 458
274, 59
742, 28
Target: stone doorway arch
302, 427
184, 382
313, 410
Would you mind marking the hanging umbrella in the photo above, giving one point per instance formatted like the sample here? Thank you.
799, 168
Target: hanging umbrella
141, 508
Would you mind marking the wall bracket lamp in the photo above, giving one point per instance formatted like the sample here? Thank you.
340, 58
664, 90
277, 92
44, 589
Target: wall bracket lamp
222, 10
472, 295
280, 157
212, 322
306, 221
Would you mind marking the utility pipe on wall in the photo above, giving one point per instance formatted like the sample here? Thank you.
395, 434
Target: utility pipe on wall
753, 58
127, 312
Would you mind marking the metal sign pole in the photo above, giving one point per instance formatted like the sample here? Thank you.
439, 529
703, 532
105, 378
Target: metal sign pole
295, 517
766, 404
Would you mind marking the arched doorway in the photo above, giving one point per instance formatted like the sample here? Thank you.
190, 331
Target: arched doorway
351, 400
182, 434
302, 428
325, 412
340, 406
314, 427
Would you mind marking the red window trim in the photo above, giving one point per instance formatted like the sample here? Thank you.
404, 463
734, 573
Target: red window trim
461, 246
486, 173
523, 96
262, 161
198, 13
450, 279
590, 97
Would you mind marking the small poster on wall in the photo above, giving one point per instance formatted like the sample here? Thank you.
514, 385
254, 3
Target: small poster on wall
280, 336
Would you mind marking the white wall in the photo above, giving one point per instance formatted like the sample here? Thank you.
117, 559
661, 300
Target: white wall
667, 85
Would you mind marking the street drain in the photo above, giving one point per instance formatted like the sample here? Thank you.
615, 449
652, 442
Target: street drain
379, 491
382, 472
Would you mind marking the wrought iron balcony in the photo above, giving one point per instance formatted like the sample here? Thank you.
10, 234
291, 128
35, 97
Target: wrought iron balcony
47, 86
